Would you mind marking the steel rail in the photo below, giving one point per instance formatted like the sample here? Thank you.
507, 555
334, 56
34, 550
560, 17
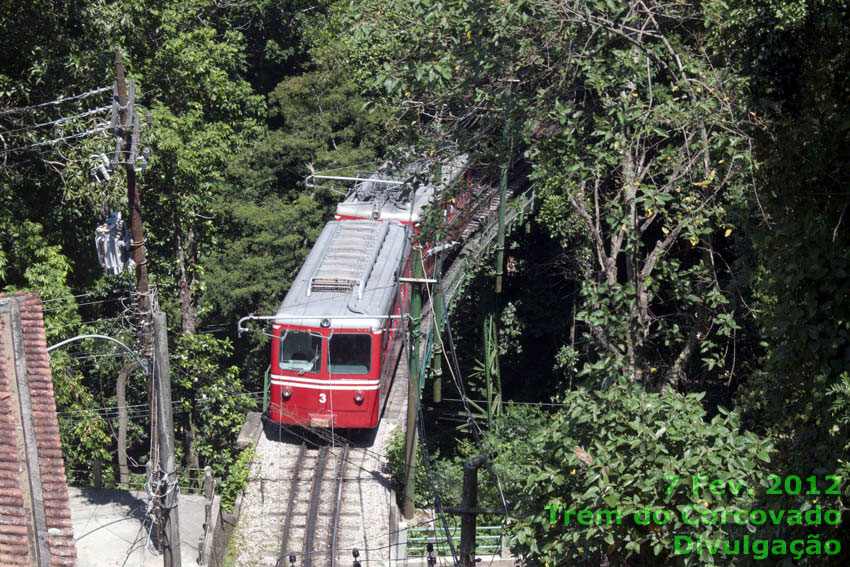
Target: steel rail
290, 506
340, 471
313, 513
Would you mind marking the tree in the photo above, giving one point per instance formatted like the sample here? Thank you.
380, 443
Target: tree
636, 454
212, 399
270, 218
793, 55
638, 143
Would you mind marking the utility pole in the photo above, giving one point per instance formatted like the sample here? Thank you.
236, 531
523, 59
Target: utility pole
490, 302
413, 387
127, 126
167, 487
437, 304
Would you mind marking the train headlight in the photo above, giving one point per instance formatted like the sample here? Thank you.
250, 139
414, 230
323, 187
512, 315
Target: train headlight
325, 323
358, 398
287, 393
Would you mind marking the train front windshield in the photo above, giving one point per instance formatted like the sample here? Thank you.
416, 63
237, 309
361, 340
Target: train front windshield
300, 351
349, 353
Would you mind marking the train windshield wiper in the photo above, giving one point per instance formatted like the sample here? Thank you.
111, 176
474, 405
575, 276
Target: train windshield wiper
309, 366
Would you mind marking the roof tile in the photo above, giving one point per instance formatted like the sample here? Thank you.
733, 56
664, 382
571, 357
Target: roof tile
14, 529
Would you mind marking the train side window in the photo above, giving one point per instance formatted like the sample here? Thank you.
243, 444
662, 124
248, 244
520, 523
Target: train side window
349, 353
300, 351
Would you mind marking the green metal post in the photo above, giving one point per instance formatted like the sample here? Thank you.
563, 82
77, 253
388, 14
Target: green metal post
500, 235
413, 388
266, 385
437, 349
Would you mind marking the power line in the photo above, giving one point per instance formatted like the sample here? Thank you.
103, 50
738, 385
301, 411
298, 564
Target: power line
80, 304
509, 402
68, 297
58, 120
54, 102
52, 327
438, 503
109, 354
110, 409
55, 140
454, 371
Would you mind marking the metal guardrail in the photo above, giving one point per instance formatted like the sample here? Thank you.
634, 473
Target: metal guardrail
266, 389
518, 209
488, 540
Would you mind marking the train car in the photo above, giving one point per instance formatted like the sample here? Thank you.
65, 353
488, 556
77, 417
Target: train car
337, 335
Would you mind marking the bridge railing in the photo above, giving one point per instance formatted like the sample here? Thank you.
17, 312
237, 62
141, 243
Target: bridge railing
471, 259
488, 540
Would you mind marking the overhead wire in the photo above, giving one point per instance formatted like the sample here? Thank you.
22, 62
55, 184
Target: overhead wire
454, 371
57, 121
438, 502
108, 300
77, 323
423, 442
14, 110
102, 128
511, 402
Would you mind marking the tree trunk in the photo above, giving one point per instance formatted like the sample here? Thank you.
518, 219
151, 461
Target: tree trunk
121, 395
186, 255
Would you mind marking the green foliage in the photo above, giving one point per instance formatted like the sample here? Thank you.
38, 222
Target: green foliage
638, 144
793, 57
320, 123
633, 441
237, 478
396, 465
269, 220
85, 434
446, 474
212, 397
254, 271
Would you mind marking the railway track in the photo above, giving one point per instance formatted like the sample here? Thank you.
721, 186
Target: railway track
302, 504
314, 507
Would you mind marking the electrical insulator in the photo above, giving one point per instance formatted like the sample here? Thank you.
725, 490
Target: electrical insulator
292, 559
356, 553
100, 168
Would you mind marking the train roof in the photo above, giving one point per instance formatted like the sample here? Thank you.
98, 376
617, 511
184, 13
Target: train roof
350, 276
392, 197
403, 209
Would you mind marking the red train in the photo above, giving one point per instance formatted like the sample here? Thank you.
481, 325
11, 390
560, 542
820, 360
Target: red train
338, 334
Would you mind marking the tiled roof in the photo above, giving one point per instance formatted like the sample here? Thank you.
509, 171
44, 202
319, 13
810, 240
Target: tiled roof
35, 514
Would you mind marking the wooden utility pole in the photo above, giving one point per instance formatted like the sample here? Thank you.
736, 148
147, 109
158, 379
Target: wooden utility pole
413, 387
170, 525
126, 151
